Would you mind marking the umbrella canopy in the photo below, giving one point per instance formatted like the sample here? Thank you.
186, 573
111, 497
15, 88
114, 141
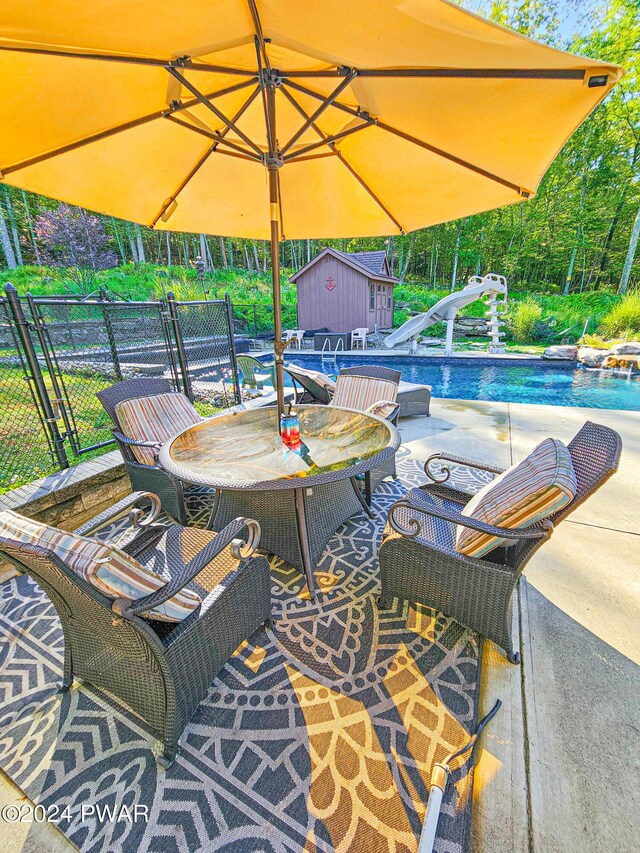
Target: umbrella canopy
366, 117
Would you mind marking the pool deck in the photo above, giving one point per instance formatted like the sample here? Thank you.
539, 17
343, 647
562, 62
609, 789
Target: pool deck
558, 768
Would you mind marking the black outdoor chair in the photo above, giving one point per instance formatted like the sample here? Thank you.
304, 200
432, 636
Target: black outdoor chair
160, 670
149, 478
418, 559
373, 478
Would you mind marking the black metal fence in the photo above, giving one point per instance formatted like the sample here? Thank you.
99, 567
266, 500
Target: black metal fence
55, 354
255, 319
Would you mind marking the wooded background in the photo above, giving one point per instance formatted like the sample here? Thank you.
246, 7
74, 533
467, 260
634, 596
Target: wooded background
578, 234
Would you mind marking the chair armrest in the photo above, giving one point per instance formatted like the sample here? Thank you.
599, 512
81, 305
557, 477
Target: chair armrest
130, 505
134, 442
445, 472
425, 505
240, 550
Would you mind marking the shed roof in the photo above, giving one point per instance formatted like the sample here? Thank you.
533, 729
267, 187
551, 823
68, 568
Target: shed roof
372, 261
373, 264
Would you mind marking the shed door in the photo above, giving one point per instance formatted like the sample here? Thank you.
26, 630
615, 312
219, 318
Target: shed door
381, 306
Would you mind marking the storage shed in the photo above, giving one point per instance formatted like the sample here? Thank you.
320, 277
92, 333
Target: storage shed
342, 291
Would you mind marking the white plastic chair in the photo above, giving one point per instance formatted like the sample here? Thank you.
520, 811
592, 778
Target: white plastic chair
359, 336
296, 337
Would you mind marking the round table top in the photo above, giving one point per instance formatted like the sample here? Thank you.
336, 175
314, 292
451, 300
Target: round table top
243, 449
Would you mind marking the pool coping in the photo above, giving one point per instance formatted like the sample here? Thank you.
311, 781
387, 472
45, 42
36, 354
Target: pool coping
484, 360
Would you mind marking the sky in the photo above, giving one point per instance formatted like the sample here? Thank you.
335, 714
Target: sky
574, 15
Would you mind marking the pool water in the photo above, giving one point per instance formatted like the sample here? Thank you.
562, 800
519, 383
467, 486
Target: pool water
507, 382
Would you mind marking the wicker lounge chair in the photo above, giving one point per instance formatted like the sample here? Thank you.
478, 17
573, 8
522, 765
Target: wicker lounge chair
381, 385
255, 374
316, 387
161, 670
310, 386
418, 560
145, 476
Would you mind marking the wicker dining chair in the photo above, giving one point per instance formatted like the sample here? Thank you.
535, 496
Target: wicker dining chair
350, 394
418, 559
144, 476
160, 670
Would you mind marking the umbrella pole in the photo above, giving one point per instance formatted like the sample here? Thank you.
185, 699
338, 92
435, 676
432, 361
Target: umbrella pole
278, 346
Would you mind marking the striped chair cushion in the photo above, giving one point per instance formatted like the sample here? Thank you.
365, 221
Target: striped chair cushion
155, 419
533, 489
109, 569
360, 392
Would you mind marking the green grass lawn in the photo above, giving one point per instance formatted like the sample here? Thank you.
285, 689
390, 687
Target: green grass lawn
24, 453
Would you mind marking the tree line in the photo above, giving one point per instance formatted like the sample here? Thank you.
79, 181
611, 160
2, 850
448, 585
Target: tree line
578, 234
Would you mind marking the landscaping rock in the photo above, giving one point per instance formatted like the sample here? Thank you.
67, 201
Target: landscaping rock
561, 352
630, 348
471, 326
621, 362
592, 357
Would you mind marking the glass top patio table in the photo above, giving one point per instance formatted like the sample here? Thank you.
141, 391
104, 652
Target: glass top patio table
243, 450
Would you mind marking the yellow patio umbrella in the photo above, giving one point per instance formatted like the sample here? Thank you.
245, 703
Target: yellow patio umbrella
266, 118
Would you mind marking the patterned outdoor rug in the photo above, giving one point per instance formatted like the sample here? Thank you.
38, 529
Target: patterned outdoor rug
317, 736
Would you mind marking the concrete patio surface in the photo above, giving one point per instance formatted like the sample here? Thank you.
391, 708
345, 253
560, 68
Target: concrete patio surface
559, 765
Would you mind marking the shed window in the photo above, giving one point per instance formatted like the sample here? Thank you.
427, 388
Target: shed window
372, 297
389, 303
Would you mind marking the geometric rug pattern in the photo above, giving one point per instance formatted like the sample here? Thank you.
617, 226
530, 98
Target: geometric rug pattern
318, 735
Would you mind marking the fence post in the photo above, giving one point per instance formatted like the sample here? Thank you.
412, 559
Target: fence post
177, 334
112, 341
166, 323
42, 395
232, 351
61, 398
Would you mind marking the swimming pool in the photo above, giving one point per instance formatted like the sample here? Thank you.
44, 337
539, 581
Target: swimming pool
524, 381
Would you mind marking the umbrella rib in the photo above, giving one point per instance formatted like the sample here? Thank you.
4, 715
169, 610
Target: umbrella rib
230, 123
120, 128
211, 150
257, 23
323, 106
454, 159
368, 122
321, 156
525, 193
440, 73
343, 160
215, 137
181, 62
167, 204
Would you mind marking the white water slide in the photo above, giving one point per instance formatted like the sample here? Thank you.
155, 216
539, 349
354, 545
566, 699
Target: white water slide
446, 309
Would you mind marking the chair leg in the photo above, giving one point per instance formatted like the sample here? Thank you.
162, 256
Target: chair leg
67, 673
363, 502
166, 759
367, 488
383, 603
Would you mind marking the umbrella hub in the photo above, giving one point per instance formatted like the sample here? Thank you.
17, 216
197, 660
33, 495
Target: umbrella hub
272, 77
